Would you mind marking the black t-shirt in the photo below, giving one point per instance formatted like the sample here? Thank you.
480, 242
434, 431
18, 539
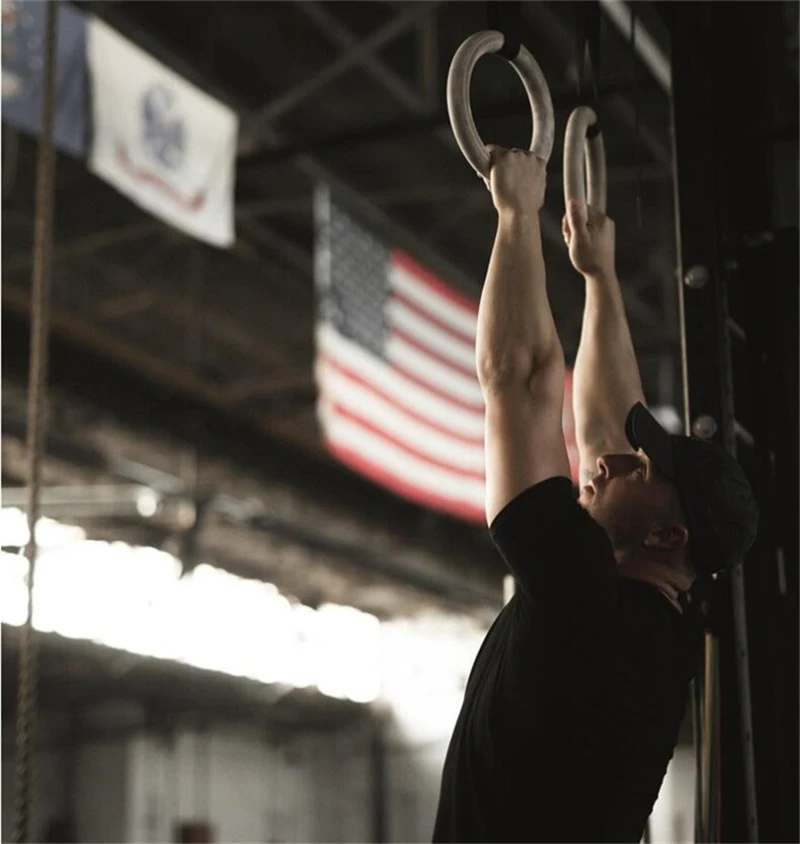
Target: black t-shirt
574, 702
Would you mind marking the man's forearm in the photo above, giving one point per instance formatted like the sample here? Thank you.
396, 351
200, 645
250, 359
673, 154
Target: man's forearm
606, 379
516, 333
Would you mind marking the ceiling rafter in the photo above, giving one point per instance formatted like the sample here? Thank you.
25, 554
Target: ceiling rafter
356, 54
346, 41
82, 246
551, 227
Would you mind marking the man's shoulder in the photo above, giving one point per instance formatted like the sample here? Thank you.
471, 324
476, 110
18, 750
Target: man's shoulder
555, 493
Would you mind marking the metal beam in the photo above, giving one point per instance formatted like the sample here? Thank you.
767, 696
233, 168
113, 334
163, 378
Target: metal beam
428, 60
298, 258
342, 38
109, 344
87, 244
126, 305
437, 122
259, 388
270, 112
254, 515
130, 304
390, 196
108, 500
225, 331
302, 205
98, 501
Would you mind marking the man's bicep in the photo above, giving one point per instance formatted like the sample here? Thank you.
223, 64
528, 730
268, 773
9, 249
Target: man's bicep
524, 440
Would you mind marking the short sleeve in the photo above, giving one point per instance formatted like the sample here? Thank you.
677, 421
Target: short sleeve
561, 558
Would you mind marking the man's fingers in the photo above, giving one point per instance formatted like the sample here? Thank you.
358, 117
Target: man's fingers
594, 215
576, 214
565, 230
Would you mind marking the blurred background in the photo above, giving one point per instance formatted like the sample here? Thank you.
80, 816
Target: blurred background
263, 574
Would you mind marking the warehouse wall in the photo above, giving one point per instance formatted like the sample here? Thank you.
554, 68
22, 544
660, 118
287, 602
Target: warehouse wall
101, 792
414, 775
315, 788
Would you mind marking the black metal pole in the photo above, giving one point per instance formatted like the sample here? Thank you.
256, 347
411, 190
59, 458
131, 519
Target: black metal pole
700, 158
736, 211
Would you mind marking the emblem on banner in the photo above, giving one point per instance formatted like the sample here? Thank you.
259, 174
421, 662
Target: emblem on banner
164, 132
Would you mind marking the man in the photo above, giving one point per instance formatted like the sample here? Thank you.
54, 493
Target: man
573, 705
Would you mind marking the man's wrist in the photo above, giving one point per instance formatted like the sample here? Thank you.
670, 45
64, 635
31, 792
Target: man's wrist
602, 276
518, 215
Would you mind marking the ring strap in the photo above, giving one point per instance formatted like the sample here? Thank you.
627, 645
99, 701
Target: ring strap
594, 130
506, 16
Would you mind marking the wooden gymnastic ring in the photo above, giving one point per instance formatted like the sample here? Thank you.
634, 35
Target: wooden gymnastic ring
460, 111
584, 160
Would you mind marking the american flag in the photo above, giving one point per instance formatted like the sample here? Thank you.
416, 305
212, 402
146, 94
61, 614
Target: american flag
399, 400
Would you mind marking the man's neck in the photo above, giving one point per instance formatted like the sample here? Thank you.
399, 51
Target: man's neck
664, 577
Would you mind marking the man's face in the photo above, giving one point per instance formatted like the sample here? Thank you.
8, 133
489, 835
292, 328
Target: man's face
624, 496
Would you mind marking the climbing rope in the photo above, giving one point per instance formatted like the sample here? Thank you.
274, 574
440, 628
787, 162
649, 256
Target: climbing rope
36, 428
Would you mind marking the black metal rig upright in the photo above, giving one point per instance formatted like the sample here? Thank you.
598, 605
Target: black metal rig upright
734, 106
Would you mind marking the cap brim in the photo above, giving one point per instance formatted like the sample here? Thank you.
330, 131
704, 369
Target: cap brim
644, 432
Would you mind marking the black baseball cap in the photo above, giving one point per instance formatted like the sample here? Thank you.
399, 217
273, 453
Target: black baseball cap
716, 496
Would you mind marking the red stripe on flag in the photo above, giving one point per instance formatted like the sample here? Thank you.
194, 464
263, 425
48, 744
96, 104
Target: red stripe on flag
460, 300
434, 321
472, 407
421, 346
404, 488
403, 445
348, 373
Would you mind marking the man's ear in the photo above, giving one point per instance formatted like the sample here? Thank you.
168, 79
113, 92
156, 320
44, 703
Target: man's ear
667, 536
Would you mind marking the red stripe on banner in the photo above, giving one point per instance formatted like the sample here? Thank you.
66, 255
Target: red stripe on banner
421, 346
472, 407
403, 488
347, 373
191, 203
434, 321
460, 300
403, 445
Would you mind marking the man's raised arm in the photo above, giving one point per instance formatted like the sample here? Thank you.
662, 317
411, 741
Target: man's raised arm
519, 357
606, 380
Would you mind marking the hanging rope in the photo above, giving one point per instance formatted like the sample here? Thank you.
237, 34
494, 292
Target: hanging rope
36, 427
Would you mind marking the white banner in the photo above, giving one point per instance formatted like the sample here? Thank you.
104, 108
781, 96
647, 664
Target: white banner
161, 141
